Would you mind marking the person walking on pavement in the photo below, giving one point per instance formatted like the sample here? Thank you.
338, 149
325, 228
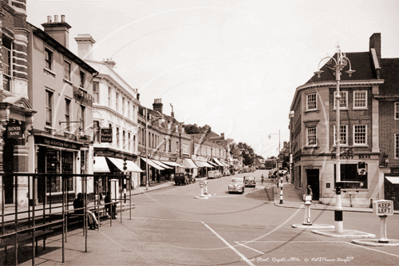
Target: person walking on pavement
262, 179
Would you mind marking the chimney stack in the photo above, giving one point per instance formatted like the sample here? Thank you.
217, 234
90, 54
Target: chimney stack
85, 45
58, 30
109, 62
157, 105
375, 42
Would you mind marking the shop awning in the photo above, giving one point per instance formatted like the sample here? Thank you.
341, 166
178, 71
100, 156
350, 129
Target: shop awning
202, 164
162, 164
131, 166
173, 164
156, 166
393, 179
217, 162
212, 163
100, 165
225, 164
188, 163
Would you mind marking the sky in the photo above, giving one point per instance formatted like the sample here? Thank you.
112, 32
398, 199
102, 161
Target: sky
231, 64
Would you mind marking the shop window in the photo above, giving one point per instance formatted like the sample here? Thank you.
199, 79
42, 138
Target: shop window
350, 178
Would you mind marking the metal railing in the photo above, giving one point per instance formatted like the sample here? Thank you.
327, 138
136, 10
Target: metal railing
47, 209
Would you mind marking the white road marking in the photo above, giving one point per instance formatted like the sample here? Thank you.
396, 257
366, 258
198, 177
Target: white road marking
373, 249
230, 246
238, 243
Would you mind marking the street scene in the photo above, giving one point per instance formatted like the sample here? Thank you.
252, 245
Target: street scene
242, 132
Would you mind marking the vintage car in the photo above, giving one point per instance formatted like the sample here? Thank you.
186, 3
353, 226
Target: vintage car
214, 174
181, 179
249, 181
236, 185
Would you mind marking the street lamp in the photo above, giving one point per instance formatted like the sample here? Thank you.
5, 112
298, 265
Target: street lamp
337, 65
147, 123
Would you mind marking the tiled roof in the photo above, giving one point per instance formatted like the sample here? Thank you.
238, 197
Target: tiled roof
389, 72
361, 62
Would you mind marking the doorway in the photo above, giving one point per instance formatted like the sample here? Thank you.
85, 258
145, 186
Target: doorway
314, 182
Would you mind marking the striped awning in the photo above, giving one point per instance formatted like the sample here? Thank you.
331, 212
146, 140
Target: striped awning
131, 166
162, 164
188, 163
150, 162
218, 162
202, 164
100, 165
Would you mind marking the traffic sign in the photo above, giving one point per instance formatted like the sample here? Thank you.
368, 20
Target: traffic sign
383, 207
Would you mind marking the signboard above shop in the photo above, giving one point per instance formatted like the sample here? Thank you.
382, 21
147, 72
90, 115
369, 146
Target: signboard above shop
106, 135
14, 131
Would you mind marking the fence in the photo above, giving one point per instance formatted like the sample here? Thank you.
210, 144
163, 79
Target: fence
42, 205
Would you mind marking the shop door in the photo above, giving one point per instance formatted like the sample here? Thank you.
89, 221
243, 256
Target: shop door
313, 181
8, 166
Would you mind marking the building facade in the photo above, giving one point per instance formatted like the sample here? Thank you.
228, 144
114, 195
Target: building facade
61, 91
313, 132
115, 124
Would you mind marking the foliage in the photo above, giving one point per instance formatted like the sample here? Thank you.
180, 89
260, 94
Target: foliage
195, 129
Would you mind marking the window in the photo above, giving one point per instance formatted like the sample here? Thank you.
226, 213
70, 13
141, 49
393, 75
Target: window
82, 76
350, 177
82, 117
48, 57
49, 108
170, 145
123, 139
311, 136
360, 135
117, 137
96, 88
128, 141
67, 70
116, 101
128, 110
396, 146
343, 102
123, 106
343, 135
96, 131
109, 96
311, 101
396, 111
7, 59
67, 114
359, 99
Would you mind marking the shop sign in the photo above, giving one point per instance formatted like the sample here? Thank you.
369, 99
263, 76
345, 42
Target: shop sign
58, 143
14, 131
106, 135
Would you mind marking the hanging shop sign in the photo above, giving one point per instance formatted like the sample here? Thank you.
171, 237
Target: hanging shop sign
106, 135
14, 131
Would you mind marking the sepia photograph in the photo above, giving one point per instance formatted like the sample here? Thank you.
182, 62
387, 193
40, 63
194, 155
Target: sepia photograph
199, 132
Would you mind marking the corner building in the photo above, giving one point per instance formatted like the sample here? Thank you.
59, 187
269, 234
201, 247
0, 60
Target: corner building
313, 129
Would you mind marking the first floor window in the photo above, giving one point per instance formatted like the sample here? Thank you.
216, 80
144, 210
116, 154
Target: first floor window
360, 134
350, 177
359, 99
311, 136
343, 135
396, 146
311, 102
343, 102
396, 111
49, 107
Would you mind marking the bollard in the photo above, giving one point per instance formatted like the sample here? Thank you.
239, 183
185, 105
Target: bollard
281, 191
383, 208
308, 202
206, 187
338, 217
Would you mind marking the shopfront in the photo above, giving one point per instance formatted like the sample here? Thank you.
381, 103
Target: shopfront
56, 156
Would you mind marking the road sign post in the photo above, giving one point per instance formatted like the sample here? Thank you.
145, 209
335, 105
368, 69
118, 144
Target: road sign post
383, 208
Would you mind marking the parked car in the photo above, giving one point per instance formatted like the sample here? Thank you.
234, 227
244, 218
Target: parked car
214, 174
249, 181
236, 185
180, 179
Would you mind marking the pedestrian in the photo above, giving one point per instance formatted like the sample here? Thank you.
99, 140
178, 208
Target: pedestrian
110, 207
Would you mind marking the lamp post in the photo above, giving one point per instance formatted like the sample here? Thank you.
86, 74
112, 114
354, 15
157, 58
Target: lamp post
337, 65
147, 123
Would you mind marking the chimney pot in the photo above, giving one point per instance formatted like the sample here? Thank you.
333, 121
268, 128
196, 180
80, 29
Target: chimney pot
55, 18
48, 19
62, 18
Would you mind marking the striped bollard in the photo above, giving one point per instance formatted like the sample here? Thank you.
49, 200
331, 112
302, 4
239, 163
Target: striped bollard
281, 191
339, 223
